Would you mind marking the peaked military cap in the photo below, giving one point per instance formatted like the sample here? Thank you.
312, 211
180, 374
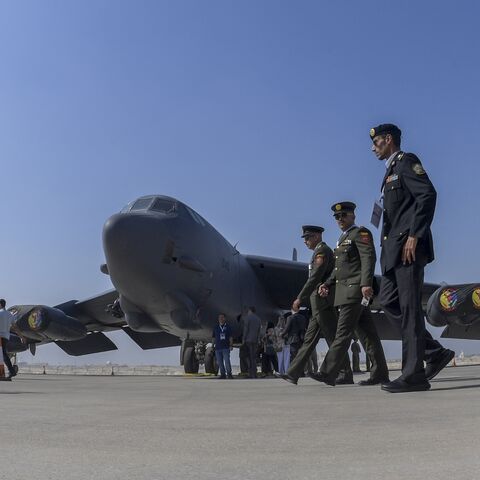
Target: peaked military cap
343, 207
311, 229
383, 129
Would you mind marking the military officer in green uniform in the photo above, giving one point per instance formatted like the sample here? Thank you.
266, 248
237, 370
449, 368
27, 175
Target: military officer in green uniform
352, 278
324, 319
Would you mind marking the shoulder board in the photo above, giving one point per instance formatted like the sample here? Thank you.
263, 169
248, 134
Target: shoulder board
365, 235
410, 157
322, 247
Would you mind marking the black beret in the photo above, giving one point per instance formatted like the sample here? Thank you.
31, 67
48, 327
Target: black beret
383, 129
343, 207
311, 229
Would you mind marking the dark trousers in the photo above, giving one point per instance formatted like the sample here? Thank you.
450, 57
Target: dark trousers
368, 335
401, 300
269, 363
6, 358
252, 359
243, 355
354, 317
323, 323
356, 361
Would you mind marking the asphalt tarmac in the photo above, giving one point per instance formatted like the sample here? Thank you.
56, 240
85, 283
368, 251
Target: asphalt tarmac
74, 427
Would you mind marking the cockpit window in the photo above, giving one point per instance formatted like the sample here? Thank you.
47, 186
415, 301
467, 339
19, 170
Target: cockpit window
196, 216
163, 205
142, 203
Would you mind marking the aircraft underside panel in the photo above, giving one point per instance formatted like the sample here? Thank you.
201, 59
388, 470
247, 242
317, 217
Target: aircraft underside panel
92, 343
471, 332
148, 341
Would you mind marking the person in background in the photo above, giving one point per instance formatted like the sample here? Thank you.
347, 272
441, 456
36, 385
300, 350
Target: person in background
269, 355
282, 349
355, 348
223, 342
6, 321
251, 334
294, 333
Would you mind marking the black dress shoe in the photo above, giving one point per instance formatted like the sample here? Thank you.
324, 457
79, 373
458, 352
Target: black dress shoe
319, 377
434, 368
287, 377
230, 377
400, 386
373, 381
344, 381
222, 377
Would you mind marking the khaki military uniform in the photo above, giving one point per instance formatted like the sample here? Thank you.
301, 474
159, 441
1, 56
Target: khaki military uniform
324, 318
354, 268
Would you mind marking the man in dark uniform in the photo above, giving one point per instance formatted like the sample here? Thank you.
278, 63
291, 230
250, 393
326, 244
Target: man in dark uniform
353, 280
324, 319
409, 200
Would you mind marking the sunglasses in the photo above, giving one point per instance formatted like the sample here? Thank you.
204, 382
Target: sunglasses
340, 215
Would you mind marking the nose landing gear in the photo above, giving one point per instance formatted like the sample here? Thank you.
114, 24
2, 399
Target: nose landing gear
193, 354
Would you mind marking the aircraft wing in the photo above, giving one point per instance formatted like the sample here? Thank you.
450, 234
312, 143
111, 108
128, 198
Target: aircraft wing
98, 314
283, 279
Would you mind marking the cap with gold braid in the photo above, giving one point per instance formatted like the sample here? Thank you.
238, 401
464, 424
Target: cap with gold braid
343, 207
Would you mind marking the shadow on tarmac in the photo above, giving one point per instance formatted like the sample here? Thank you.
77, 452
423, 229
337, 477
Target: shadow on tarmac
460, 387
454, 379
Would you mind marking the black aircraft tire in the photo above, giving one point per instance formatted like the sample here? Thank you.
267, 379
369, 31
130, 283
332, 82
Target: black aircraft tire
210, 361
190, 360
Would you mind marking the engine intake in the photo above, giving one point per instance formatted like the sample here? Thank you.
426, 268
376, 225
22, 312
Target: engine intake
454, 304
39, 322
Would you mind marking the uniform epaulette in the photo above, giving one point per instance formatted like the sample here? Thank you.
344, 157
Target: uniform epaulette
410, 156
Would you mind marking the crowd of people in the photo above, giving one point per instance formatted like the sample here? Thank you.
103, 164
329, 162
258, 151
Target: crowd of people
273, 350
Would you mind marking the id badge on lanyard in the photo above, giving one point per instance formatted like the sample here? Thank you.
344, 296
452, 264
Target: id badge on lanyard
377, 212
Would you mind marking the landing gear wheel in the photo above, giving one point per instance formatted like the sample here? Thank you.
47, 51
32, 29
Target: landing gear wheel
190, 360
210, 362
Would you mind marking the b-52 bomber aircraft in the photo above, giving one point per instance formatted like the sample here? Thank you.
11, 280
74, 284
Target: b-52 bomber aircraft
173, 273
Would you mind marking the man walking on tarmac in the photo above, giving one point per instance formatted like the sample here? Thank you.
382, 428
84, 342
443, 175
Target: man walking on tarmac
353, 280
409, 199
324, 319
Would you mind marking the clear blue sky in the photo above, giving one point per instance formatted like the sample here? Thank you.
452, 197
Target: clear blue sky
255, 113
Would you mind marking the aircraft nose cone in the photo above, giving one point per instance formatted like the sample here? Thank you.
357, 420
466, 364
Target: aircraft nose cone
133, 243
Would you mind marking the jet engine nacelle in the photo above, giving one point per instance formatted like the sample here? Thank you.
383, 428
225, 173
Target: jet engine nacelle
39, 322
454, 304
15, 345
